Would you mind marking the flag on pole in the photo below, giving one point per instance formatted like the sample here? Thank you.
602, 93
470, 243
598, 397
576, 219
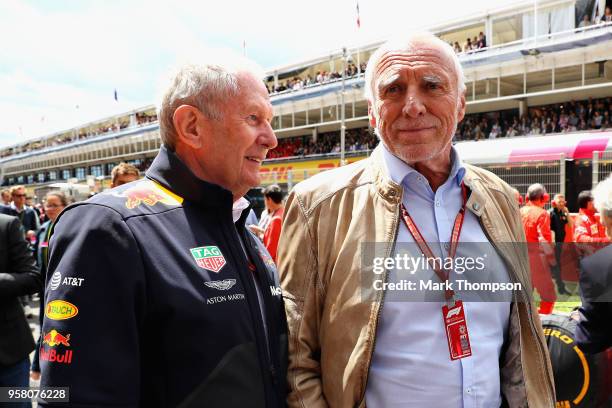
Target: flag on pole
358, 20
116, 99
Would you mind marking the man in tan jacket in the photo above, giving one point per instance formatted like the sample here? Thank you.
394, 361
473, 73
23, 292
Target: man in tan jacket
353, 346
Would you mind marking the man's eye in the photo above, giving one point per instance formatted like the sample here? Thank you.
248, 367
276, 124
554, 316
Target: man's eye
432, 86
393, 89
253, 118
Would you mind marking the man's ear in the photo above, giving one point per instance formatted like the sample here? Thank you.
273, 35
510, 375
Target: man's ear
188, 126
461, 107
371, 116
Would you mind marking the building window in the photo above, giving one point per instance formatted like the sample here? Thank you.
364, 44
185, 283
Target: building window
52, 175
96, 170
80, 173
109, 167
30, 179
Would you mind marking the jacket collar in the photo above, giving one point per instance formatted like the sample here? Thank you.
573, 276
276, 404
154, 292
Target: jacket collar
168, 170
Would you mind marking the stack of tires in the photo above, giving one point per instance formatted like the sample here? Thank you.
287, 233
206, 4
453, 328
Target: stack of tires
581, 380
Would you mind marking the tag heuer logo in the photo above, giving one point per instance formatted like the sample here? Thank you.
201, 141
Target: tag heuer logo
224, 284
209, 258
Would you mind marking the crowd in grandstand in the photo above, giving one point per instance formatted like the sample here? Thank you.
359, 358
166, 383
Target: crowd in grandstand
591, 114
355, 140
142, 118
296, 83
587, 22
470, 45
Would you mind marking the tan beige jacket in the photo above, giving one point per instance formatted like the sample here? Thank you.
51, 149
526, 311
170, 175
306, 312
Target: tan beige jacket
332, 327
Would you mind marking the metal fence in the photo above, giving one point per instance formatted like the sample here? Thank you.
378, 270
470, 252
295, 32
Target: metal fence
521, 174
602, 166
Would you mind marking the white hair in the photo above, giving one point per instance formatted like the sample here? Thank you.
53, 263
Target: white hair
407, 43
602, 197
205, 85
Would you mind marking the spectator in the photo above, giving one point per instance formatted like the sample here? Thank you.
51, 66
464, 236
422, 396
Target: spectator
495, 130
6, 197
482, 40
594, 331
18, 277
559, 219
588, 228
27, 216
55, 202
607, 17
273, 199
467, 47
457, 47
123, 173
536, 223
586, 22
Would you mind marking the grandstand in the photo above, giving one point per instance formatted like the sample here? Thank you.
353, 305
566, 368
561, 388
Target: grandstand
535, 76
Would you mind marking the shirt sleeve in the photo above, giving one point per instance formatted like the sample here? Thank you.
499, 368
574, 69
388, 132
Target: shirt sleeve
582, 231
95, 301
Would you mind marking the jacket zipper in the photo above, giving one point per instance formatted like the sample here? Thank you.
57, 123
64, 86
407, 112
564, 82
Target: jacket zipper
527, 300
380, 308
256, 315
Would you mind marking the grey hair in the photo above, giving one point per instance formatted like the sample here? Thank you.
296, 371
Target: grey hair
536, 191
602, 197
407, 43
203, 85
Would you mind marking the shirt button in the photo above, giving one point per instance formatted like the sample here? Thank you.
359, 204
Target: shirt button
476, 206
437, 203
468, 390
446, 246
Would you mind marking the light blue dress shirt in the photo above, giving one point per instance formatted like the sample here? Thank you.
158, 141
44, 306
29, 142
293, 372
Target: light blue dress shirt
411, 366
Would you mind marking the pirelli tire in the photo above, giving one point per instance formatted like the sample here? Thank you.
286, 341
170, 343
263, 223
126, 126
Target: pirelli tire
579, 377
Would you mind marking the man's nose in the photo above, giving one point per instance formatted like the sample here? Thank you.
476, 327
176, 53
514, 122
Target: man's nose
268, 138
413, 106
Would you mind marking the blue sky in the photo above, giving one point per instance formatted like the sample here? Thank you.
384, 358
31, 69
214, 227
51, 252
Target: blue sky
57, 55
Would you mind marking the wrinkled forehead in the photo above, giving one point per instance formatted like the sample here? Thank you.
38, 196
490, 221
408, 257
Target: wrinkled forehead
422, 57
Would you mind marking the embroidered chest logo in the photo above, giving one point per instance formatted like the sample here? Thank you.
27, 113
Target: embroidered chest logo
225, 284
209, 258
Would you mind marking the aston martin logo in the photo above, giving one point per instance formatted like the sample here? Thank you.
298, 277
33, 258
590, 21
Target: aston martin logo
224, 284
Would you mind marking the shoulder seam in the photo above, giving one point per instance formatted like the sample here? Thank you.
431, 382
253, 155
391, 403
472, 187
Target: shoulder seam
320, 200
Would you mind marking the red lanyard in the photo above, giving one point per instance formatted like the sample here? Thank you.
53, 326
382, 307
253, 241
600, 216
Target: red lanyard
454, 240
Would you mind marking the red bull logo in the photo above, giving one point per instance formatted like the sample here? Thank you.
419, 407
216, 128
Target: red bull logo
53, 356
148, 193
54, 338
142, 195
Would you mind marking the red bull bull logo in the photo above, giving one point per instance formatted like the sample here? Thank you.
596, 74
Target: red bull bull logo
148, 193
54, 338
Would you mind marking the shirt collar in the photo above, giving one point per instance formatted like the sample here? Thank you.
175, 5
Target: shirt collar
398, 170
238, 207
